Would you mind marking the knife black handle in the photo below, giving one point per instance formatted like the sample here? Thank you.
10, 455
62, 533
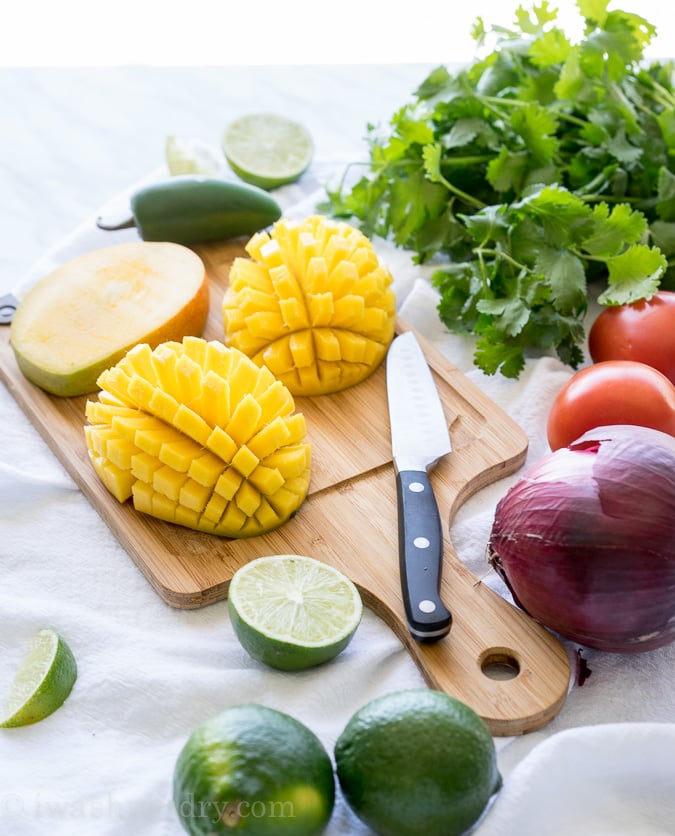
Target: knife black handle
420, 541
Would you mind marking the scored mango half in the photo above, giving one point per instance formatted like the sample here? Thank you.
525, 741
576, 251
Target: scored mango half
195, 433
313, 303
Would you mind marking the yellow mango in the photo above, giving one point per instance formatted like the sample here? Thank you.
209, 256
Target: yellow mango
86, 315
181, 430
304, 286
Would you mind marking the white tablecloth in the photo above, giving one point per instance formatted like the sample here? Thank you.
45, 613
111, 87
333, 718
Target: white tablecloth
149, 674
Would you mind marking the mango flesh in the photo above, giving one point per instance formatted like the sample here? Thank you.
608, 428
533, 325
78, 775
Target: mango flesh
196, 434
313, 303
83, 317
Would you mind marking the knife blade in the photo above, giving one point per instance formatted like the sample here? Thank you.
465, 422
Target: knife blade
419, 437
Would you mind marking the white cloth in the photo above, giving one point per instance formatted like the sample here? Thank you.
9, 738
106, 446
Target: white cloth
149, 673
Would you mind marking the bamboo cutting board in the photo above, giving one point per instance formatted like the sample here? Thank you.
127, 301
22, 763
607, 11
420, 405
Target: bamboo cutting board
349, 519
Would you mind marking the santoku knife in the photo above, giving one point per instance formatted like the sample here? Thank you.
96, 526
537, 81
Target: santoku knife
420, 437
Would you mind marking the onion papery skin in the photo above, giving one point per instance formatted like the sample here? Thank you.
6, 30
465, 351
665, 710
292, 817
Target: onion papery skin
585, 540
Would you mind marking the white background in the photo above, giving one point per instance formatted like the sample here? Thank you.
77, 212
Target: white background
260, 32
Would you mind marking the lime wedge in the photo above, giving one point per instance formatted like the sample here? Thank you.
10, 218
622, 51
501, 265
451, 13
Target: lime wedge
267, 150
293, 612
43, 681
191, 156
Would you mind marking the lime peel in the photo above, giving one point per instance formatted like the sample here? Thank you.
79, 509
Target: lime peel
255, 770
43, 681
293, 612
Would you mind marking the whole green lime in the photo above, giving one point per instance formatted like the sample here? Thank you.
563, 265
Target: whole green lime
417, 762
253, 770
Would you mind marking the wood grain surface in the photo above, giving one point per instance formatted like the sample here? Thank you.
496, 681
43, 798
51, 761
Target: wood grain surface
349, 520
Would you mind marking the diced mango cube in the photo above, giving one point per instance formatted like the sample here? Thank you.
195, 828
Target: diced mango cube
273, 435
220, 443
206, 468
120, 451
215, 403
302, 349
265, 515
228, 483
327, 345
163, 507
187, 517
139, 361
245, 419
291, 461
193, 495
179, 454
142, 496
215, 507
168, 482
191, 424
267, 480
143, 466
232, 521
278, 358
140, 391
117, 481
247, 498
163, 405
245, 461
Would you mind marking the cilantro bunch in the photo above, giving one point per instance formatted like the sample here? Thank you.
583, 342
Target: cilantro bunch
540, 174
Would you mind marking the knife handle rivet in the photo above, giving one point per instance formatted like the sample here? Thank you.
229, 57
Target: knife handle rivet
426, 605
416, 487
421, 543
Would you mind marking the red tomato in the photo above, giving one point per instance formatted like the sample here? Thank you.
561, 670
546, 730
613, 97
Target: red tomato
612, 392
643, 331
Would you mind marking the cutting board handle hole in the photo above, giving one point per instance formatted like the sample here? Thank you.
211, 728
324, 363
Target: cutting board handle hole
499, 663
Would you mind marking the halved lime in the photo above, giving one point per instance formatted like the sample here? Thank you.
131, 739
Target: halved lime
267, 150
293, 612
191, 156
43, 681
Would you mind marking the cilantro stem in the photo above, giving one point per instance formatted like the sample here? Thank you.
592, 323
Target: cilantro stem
480, 251
478, 158
467, 198
560, 114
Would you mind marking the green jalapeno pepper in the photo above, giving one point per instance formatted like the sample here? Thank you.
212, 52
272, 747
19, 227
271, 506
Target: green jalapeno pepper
193, 209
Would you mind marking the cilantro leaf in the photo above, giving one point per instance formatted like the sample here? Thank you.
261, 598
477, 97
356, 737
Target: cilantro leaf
633, 275
612, 231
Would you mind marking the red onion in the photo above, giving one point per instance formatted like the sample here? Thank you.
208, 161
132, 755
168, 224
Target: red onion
585, 540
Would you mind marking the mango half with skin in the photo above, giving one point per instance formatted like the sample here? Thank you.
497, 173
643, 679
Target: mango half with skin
313, 303
194, 433
84, 316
